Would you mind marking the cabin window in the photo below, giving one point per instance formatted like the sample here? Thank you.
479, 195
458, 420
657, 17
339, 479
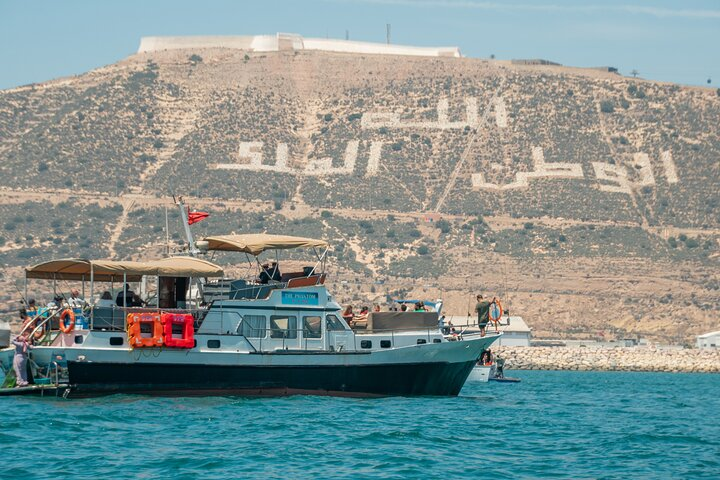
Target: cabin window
385, 344
420, 341
213, 343
116, 341
334, 324
312, 326
253, 326
283, 326
222, 322
365, 343
437, 340
79, 339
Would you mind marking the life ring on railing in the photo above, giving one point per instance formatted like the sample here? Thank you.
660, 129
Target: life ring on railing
67, 328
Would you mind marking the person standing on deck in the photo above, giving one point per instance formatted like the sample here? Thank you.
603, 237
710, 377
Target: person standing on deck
482, 308
20, 359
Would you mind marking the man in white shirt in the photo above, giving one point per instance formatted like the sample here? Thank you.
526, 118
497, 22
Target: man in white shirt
75, 301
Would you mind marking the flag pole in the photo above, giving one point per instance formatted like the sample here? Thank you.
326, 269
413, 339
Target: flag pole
184, 216
167, 233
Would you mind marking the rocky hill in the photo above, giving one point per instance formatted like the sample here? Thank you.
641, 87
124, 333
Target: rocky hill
590, 201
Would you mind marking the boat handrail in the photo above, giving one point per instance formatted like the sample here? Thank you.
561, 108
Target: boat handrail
46, 320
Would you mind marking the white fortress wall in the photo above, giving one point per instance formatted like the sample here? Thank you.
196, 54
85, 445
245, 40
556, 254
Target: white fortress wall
348, 46
289, 41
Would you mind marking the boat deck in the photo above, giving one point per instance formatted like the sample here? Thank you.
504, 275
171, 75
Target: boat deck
51, 390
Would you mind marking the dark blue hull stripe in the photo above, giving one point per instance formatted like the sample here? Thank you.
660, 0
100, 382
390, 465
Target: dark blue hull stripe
442, 379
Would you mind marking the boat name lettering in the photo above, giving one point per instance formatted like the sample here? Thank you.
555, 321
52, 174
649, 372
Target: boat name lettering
300, 298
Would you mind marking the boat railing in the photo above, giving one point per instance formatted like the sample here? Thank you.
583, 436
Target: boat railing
241, 289
115, 318
40, 322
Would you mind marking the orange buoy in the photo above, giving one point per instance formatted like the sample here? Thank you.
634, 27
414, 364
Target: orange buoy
70, 326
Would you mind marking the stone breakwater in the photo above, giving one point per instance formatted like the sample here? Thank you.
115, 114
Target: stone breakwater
628, 359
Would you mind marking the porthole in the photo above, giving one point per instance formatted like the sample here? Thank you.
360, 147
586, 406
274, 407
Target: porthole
213, 343
79, 339
385, 344
365, 344
420, 341
116, 341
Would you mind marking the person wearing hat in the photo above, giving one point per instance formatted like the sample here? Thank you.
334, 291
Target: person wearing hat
482, 308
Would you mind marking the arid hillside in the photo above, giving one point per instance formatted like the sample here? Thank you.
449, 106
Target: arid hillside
589, 201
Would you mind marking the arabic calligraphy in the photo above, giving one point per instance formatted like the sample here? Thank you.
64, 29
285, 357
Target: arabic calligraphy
611, 177
541, 170
373, 120
250, 157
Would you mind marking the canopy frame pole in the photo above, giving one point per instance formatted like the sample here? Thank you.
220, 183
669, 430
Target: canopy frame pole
124, 291
92, 286
83, 286
25, 288
54, 285
157, 291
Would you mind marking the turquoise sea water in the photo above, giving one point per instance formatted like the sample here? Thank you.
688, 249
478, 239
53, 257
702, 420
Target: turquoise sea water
553, 424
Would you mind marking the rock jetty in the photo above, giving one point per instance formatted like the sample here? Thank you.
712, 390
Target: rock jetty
628, 359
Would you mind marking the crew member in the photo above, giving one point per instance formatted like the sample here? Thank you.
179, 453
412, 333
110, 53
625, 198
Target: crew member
125, 297
482, 308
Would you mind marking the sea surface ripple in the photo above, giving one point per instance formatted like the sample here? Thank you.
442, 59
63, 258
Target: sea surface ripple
553, 424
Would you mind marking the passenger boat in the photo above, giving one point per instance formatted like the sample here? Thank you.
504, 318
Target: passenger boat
204, 334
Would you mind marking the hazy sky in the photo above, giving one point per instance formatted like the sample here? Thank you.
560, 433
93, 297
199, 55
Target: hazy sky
664, 40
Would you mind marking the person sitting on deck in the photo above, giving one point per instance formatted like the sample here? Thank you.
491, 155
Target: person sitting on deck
75, 300
31, 309
28, 314
264, 276
269, 272
124, 297
348, 315
420, 307
361, 318
275, 272
105, 300
403, 308
376, 308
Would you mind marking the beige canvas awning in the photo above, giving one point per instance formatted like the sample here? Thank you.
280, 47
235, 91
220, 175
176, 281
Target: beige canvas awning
109, 270
186, 267
256, 243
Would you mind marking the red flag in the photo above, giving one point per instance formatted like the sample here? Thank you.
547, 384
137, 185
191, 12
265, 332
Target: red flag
194, 217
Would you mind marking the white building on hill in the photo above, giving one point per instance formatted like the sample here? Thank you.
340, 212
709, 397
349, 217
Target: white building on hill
709, 340
290, 42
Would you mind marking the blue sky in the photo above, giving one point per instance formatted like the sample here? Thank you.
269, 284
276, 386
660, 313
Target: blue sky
674, 41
